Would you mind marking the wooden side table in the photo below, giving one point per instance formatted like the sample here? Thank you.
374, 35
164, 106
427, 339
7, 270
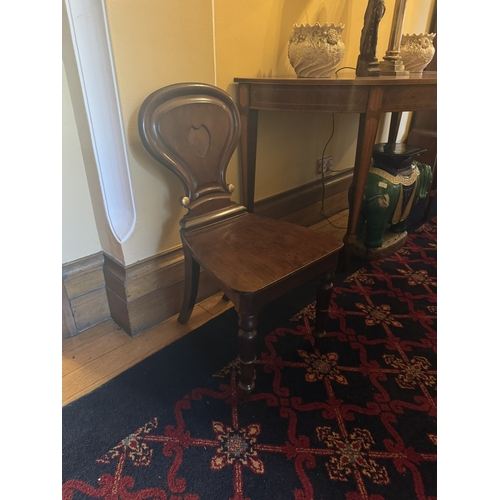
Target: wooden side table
370, 97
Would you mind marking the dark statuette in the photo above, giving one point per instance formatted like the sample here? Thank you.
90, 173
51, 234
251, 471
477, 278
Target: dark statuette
367, 62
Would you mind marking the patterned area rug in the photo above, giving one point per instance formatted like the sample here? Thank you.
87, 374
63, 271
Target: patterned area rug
350, 416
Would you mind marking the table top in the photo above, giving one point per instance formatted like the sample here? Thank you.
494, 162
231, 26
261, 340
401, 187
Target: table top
426, 78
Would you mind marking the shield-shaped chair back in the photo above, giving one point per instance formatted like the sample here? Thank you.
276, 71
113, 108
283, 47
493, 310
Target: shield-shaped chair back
193, 129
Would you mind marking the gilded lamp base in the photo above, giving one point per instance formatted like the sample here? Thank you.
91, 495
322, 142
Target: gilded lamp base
393, 67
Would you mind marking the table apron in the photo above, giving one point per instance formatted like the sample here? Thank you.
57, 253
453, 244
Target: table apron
341, 99
409, 98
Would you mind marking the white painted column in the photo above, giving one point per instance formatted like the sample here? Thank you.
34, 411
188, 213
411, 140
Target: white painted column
94, 58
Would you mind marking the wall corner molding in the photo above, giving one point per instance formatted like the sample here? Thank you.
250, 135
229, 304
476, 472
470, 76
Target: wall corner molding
94, 58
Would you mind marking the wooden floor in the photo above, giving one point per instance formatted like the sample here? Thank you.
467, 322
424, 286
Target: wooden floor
99, 354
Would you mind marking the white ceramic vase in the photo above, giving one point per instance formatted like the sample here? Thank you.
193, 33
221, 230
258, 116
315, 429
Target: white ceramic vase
315, 51
417, 51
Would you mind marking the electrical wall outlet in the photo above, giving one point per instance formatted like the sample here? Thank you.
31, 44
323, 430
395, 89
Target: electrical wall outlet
325, 165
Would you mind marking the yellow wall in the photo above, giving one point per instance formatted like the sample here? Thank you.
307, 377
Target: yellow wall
159, 42
79, 237
156, 43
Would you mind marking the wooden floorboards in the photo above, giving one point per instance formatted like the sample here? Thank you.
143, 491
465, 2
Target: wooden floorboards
97, 355
100, 353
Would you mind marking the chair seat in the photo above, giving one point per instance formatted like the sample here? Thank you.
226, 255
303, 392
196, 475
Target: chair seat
267, 247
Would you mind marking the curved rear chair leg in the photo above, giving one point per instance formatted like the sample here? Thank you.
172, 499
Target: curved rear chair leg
247, 336
324, 294
191, 281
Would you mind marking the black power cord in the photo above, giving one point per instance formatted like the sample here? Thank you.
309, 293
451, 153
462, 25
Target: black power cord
344, 67
322, 211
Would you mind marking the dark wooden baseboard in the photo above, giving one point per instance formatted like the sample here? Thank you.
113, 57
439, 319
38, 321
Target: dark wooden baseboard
149, 292
84, 301
144, 294
303, 205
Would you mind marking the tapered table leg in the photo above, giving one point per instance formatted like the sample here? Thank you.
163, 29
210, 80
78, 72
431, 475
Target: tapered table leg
394, 127
368, 126
248, 146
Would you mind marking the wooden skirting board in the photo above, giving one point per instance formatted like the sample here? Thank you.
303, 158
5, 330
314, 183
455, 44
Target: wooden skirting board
302, 205
142, 295
84, 301
148, 292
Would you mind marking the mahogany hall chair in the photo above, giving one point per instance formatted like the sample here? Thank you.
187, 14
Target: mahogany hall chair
193, 129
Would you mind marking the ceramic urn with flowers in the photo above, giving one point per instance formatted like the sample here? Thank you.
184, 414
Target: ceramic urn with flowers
315, 51
417, 51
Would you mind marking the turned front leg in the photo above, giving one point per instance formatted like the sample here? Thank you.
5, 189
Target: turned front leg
323, 296
247, 335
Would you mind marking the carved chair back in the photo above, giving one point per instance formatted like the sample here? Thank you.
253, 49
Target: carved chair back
193, 129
